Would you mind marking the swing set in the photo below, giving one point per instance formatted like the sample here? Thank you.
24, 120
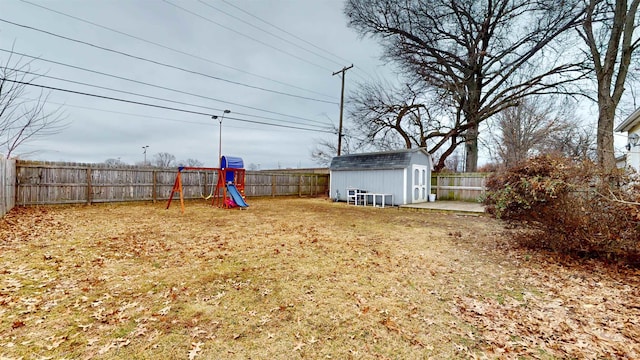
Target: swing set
229, 186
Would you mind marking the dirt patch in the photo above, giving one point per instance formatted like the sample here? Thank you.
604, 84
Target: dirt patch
296, 278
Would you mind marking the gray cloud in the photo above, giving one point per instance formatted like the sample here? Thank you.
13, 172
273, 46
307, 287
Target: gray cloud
95, 135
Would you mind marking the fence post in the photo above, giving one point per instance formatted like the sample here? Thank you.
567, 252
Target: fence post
89, 190
4, 176
300, 186
15, 182
154, 182
273, 185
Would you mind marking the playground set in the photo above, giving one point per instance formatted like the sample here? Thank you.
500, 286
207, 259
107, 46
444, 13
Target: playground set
229, 190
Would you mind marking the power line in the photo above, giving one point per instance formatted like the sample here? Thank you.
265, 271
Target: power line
285, 31
245, 35
268, 32
140, 115
164, 88
148, 96
156, 106
296, 37
164, 64
174, 50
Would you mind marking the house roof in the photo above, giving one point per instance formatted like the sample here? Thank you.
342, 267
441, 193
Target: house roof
630, 122
398, 159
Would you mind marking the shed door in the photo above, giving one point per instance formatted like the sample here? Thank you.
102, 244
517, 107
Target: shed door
419, 181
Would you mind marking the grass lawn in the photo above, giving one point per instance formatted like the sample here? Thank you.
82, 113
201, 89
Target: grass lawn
297, 278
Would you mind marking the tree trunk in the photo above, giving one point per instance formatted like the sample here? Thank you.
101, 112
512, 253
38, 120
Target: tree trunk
471, 147
604, 138
611, 52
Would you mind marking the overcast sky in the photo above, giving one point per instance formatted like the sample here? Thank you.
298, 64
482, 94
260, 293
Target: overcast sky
230, 59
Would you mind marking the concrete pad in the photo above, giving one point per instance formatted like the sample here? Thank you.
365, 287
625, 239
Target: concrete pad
459, 206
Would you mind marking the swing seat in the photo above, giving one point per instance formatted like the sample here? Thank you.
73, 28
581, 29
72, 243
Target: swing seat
200, 186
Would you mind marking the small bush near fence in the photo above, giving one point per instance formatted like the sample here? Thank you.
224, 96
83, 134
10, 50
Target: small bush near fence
570, 207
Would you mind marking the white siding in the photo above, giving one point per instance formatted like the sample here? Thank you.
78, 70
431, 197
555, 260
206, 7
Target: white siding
633, 156
377, 181
376, 173
419, 158
404, 181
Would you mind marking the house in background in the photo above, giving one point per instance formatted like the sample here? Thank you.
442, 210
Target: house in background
621, 161
404, 174
631, 126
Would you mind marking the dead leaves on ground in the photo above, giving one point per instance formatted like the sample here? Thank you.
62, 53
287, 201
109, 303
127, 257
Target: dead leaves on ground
29, 223
582, 311
312, 280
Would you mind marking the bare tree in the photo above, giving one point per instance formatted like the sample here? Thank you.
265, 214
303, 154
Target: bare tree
527, 129
576, 142
113, 162
391, 117
163, 159
454, 162
609, 30
23, 119
325, 149
387, 116
538, 125
191, 162
484, 55
253, 167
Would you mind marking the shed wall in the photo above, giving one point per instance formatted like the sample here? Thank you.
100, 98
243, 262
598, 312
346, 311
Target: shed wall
419, 158
386, 181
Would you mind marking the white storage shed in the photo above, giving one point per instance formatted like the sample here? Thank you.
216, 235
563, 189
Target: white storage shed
403, 176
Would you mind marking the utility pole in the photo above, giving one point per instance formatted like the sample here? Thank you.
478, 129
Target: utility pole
344, 69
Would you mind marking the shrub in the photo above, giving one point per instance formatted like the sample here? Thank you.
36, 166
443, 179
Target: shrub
572, 207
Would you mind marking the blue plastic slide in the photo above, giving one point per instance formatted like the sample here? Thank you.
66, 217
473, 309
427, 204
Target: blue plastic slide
235, 195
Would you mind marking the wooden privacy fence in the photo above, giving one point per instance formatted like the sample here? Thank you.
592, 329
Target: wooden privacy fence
458, 186
40, 182
36, 182
7, 185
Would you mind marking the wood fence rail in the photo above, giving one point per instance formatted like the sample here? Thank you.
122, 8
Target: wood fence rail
458, 186
43, 183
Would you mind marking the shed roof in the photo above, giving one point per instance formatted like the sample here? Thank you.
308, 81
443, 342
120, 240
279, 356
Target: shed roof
397, 159
629, 122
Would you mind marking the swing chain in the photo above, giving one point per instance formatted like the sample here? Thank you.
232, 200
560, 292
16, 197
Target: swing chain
200, 186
